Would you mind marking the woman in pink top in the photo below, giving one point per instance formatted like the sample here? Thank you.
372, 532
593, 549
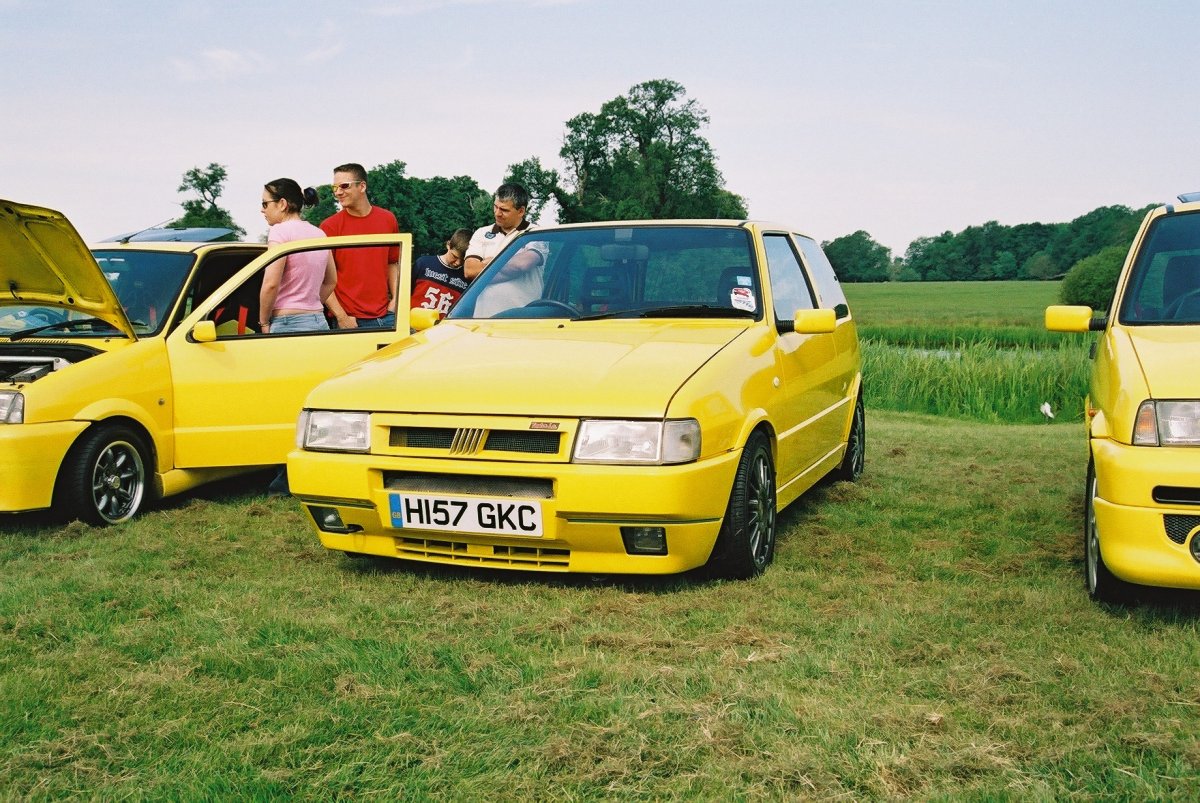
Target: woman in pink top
294, 289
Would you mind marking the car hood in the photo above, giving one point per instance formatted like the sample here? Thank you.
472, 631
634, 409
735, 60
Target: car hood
47, 263
555, 368
1165, 352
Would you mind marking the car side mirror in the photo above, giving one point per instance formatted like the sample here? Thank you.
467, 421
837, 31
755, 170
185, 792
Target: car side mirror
204, 332
815, 321
421, 319
1064, 318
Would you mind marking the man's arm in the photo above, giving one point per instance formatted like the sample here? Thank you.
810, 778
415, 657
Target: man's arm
393, 273
344, 319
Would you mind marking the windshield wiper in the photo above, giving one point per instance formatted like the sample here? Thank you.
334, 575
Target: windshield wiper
75, 324
695, 311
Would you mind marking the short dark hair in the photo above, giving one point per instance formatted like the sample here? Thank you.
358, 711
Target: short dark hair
354, 168
459, 241
515, 194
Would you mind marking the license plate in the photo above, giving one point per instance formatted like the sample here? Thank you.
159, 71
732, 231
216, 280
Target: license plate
463, 515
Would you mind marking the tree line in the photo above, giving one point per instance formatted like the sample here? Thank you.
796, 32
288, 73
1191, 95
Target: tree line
642, 156
989, 252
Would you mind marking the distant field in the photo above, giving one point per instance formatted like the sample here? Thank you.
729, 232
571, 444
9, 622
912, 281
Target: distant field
976, 350
951, 304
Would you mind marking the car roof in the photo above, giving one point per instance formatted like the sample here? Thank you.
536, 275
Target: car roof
708, 222
173, 247
192, 234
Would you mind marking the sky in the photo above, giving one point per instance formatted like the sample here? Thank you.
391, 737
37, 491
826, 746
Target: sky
901, 119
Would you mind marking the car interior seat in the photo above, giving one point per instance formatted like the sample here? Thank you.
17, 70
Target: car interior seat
1180, 277
610, 286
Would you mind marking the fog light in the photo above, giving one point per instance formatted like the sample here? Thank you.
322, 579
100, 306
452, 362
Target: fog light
645, 540
1195, 545
330, 521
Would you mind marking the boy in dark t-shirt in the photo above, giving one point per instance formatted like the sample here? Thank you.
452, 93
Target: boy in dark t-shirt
438, 281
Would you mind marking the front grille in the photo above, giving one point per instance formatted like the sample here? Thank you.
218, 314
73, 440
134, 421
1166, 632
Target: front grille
1175, 495
1178, 527
458, 484
517, 557
532, 442
466, 441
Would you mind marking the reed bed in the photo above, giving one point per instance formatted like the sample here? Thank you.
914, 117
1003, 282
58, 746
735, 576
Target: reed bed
980, 381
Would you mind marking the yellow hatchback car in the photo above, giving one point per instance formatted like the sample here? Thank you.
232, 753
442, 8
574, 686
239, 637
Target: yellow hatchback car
632, 397
136, 370
1142, 515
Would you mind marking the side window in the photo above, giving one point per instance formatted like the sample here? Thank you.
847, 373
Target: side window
789, 287
828, 286
237, 314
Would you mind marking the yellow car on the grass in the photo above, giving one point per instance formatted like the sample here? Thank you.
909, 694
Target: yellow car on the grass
631, 397
1142, 493
135, 370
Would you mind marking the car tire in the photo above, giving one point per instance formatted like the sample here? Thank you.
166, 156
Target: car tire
1102, 585
104, 479
745, 544
855, 459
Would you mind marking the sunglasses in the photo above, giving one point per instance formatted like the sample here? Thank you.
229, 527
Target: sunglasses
264, 203
345, 185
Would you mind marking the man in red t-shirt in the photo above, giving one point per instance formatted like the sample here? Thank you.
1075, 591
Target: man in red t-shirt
367, 278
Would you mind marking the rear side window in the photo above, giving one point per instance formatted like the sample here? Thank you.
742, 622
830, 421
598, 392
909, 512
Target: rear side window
789, 286
828, 286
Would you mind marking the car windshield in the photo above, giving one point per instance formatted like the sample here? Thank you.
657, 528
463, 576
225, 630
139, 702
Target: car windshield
146, 283
1164, 285
611, 271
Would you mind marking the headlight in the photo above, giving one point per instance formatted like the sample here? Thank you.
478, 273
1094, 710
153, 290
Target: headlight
330, 431
638, 442
1167, 423
12, 407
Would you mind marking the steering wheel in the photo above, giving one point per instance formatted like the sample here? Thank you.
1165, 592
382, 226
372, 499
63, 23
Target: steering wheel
554, 303
1179, 304
51, 314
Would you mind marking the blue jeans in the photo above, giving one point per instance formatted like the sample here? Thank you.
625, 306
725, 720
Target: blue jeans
388, 321
308, 322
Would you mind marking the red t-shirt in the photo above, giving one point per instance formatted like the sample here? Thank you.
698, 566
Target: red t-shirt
362, 275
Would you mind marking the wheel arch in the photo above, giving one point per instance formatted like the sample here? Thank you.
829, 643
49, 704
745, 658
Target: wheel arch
150, 457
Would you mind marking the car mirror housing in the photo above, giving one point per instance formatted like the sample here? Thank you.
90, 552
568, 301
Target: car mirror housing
815, 321
421, 319
204, 332
1063, 318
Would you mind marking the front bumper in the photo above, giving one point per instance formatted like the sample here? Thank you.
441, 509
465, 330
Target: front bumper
1141, 540
31, 457
582, 517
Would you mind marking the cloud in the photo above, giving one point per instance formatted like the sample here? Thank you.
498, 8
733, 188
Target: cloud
220, 64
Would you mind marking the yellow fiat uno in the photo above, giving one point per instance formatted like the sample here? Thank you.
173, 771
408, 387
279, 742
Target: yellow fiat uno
634, 397
136, 370
1142, 514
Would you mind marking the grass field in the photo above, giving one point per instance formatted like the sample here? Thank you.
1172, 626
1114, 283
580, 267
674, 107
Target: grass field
921, 634
975, 350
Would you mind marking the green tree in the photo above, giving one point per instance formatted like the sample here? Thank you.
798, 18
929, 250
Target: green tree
858, 258
1093, 280
1039, 266
204, 212
641, 156
431, 209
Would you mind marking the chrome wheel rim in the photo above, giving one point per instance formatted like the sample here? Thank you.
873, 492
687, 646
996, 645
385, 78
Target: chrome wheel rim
761, 503
118, 482
1093, 539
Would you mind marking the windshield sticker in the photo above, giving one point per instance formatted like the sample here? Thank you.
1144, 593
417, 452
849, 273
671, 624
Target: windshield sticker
741, 298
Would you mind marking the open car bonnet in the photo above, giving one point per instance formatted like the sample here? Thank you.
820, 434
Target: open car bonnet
43, 261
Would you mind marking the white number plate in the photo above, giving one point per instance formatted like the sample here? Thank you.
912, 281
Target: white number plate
463, 515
